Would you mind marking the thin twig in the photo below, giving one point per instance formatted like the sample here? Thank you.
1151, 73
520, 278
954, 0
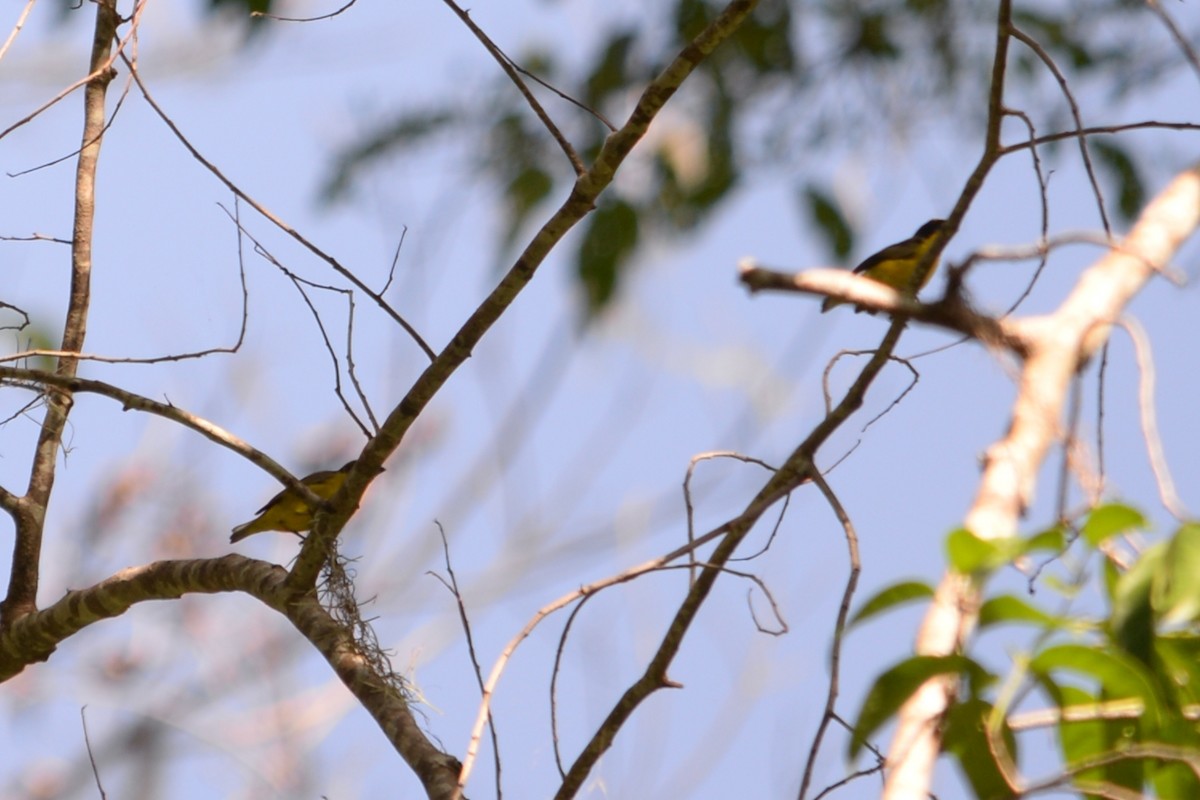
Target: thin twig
501, 663
330, 15
395, 261
91, 756
1101, 383
1095, 130
299, 282
16, 29
689, 508
279, 223
25, 567
550, 87
1043, 257
507, 65
1046, 59
1154, 449
1180, 38
555, 671
38, 381
916, 742
111, 119
36, 237
98, 70
1070, 435
839, 628
581, 202
452, 585
601, 586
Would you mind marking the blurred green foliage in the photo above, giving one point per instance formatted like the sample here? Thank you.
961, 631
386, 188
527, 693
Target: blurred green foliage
1125, 683
796, 84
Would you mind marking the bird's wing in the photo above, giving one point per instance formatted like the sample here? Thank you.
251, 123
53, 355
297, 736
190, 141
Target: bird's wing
893, 252
272, 501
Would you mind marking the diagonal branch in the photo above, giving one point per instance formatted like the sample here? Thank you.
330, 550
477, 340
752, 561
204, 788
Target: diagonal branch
279, 223
579, 204
796, 470
1059, 345
37, 380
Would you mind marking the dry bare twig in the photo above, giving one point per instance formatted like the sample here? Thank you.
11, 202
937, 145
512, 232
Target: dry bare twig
1154, 448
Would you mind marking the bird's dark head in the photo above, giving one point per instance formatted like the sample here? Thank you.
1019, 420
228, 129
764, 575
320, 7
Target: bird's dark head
349, 465
929, 228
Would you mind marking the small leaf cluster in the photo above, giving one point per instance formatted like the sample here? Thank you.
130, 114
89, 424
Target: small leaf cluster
1121, 692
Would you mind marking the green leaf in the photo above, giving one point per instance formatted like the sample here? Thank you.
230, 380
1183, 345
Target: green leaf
1110, 520
762, 44
1176, 589
694, 178
243, 7
32, 336
890, 597
1179, 668
527, 188
764, 40
1010, 608
691, 17
1085, 739
1119, 675
407, 131
1175, 777
1172, 779
970, 555
611, 73
608, 241
1132, 617
1052, 540
872, 40
965, 737
825, 214
1112, 576
1057, 34
1121, 168
896, 685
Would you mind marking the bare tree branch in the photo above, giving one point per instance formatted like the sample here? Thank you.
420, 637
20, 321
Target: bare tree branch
1059, 345
510, 70
279, 223
33, 637
580, 203
27, 544
37, 380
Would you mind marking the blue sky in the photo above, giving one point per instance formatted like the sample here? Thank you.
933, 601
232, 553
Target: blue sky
583, 482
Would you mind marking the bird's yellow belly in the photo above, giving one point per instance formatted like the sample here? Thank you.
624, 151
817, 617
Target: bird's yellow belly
897, 274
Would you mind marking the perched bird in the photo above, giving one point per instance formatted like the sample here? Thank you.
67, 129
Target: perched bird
896, 264
287, 510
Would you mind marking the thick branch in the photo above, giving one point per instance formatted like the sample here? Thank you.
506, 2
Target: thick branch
27, 544
33, 637
1060, 344
951, 313
581, 201
381, 698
